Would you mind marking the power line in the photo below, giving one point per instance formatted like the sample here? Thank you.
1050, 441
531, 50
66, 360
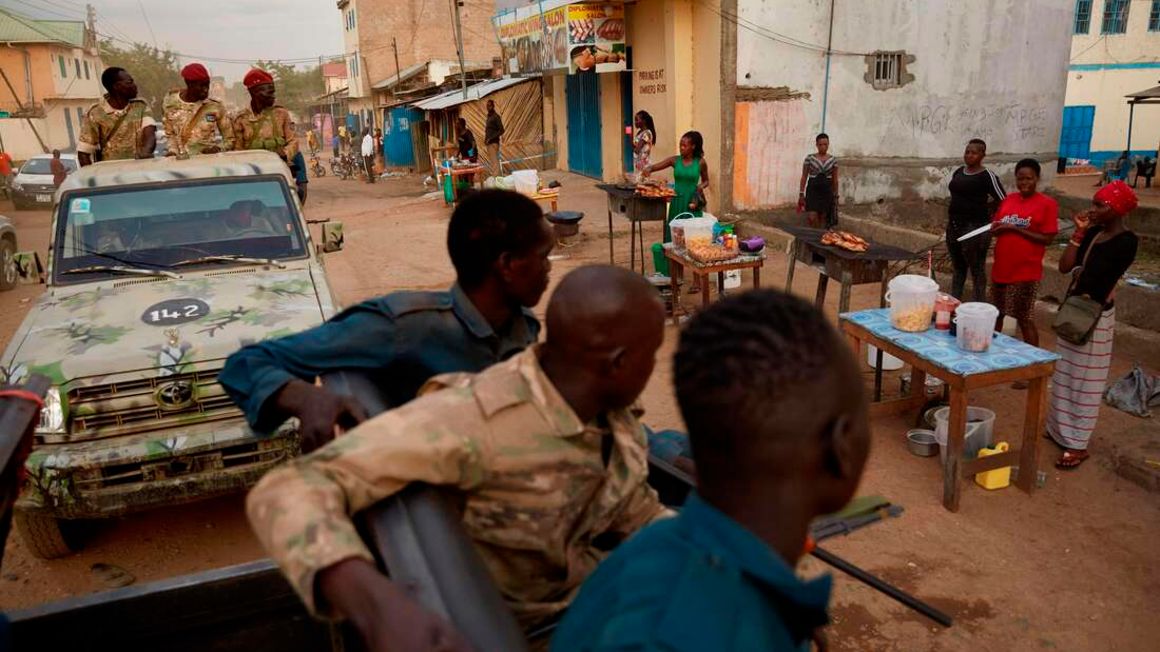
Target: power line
765, 32
48, 10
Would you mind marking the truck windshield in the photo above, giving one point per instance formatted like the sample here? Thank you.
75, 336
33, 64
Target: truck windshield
159, 226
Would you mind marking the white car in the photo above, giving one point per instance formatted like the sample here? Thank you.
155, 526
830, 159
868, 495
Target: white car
33, 187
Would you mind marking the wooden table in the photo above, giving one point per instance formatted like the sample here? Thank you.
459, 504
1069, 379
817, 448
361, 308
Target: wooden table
462, 172
550, 197
701, 272
935, 353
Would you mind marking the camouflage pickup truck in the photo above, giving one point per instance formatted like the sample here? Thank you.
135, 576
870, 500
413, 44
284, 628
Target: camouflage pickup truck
158, 270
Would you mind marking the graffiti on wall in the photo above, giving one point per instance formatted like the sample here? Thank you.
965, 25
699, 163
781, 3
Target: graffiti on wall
1016, 121
771, 139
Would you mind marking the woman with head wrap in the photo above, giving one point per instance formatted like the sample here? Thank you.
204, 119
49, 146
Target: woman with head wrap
1099, 253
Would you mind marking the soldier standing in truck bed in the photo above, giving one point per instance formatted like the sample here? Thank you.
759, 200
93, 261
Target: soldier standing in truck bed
120, 126
263, 124
194, 122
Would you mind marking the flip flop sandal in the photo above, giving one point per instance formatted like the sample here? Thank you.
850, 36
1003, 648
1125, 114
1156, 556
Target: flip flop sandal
1071, 459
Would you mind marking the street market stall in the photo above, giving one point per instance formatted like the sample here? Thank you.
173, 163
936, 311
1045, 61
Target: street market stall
848, 266
937, 353
682, 260
625, 201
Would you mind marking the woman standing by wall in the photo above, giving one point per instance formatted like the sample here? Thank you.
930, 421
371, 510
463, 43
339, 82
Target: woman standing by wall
975, 193
690, 176
1100, 251
818, 190
642, 143
1024, 225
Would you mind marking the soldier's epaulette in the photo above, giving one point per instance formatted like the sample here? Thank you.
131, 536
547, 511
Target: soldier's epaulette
398, 304
497, 390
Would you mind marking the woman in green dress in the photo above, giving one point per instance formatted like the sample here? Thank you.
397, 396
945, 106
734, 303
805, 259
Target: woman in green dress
691, 177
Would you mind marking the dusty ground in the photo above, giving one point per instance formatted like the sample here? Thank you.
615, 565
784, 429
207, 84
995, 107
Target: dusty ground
1070, 568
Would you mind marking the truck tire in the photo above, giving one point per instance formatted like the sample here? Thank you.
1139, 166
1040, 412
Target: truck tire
8, 276
42, 535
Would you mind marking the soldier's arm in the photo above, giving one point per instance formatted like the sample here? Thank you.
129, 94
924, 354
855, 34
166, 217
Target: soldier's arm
148, 134
226, 129
88, 141
301, 512
361, 337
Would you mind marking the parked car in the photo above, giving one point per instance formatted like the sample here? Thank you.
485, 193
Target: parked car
32, 187
159, 270
8, 274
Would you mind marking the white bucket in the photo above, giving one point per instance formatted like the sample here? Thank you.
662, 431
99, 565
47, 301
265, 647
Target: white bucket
911, 298
975, 323
526, 181
980, 431
889, 362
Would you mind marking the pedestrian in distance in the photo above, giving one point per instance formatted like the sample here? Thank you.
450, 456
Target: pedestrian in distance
301, 178
499, 243
120, 126
544, 448
975, 194
59, 171
194, 122
643, 141
720, 576
1099, 253
368, 154
818, 188
493, 132
1024, 224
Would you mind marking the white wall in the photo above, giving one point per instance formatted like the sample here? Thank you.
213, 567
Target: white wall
994, 69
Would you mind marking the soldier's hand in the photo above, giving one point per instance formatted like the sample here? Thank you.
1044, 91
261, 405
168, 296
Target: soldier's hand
319, 412
383, 612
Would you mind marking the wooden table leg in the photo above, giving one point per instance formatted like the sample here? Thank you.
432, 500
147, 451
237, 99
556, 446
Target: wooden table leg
675, 289
554, 205
790, 264
632, 246
720, 284
844, 294
640, 243
611, 260
756, 277
704, 279
820, 298
1033, 428
956, 433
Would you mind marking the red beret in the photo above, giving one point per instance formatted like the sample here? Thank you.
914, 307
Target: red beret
1119, 196
195, 72
257, 77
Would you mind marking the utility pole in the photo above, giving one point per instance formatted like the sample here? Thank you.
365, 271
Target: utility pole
459, 46
398, 73
91, 21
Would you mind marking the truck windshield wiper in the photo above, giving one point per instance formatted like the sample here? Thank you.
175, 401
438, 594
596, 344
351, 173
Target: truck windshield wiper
122, 269
230, 258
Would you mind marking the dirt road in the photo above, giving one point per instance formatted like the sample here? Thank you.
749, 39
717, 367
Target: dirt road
1070, 568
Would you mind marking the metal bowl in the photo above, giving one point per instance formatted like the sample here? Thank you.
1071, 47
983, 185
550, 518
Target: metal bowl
922, 443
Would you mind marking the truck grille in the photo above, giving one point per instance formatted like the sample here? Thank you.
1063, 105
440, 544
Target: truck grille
134, 406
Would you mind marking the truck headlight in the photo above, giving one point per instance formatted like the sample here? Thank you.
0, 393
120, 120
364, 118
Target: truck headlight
52, 415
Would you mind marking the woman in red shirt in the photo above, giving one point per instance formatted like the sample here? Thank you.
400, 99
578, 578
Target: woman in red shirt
1025, 223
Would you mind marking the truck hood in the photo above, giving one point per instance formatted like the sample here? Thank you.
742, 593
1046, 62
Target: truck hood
149, 327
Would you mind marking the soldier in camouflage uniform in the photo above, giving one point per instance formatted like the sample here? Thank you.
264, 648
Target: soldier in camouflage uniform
544, 446
120, 126
193, 121
263, 124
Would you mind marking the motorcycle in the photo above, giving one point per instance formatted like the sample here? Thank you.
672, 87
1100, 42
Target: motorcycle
316, 165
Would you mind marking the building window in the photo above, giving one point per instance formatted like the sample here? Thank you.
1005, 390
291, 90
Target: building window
1083, 16
1115, 16
77, 63
80, 116
1154, 17
87, 70
352, 23
886, 70
63, 70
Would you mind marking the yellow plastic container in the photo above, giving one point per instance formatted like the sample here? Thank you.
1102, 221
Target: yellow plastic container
995, 478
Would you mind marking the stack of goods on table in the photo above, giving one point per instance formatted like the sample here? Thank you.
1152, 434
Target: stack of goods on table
720, 246
655, 189
844, 240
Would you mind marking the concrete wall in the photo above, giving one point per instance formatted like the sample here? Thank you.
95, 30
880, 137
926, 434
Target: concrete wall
356, 83
1106, 67
993, 69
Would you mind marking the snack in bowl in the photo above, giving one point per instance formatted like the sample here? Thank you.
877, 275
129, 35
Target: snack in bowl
915, 320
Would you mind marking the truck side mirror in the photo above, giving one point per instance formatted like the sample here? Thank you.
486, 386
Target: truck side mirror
29, 269
332, 239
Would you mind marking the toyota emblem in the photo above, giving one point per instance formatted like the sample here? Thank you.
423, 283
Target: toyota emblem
175, 396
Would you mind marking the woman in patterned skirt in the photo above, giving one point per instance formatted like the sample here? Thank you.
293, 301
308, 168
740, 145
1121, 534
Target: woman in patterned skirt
1099, 253
818, 190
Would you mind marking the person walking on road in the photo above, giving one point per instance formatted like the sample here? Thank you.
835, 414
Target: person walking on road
818, 189
491, 137
263, 124
975, 194
368, 154
59, 171
194, 122
120, 126
1100, 251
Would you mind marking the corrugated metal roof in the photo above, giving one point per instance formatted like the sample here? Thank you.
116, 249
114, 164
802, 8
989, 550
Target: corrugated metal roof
406, 73
15, 28
477, 92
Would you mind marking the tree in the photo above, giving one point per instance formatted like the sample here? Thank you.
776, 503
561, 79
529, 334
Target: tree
297, 89
155, 71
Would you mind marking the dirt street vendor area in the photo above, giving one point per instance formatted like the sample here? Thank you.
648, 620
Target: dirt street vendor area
1053, 560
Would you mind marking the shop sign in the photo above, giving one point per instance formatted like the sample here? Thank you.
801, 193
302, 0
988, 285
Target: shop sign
578, 37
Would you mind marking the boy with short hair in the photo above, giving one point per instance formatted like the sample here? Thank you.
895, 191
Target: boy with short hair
778, 418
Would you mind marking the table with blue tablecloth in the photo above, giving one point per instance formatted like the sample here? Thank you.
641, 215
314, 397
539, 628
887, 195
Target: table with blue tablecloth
935, 353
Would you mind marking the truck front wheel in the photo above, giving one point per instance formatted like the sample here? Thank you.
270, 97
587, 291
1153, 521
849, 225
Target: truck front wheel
44, 536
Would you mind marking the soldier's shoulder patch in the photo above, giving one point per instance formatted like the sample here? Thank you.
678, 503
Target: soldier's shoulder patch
500, 388
403, 303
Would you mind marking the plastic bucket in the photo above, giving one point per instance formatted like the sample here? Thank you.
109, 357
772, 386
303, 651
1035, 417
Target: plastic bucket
695, 228
911, 299
975, 323
889, 362
980, 431
526, 181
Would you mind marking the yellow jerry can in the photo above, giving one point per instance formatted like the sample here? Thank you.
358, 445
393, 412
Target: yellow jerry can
995, 478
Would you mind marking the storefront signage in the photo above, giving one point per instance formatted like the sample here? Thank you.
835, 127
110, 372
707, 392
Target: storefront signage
651, 82
560, 37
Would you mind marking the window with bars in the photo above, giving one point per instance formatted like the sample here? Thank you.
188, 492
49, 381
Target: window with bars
1115, 16
1154, 17
1083, 16
887, 70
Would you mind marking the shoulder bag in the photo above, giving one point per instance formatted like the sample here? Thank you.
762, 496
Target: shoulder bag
1078, 315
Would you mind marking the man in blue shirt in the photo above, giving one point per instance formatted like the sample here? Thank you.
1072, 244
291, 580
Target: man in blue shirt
778, 418
499, 243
